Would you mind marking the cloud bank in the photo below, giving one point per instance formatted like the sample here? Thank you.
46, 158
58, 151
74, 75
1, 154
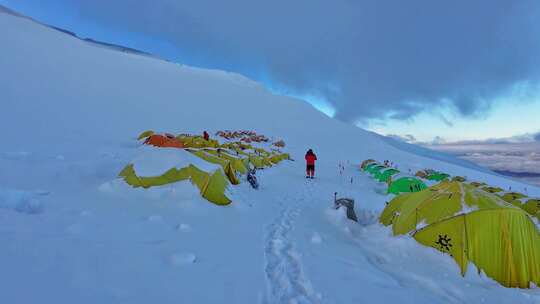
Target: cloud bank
368, 58
517, 156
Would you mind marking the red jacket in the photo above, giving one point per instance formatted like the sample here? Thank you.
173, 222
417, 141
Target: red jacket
310, 159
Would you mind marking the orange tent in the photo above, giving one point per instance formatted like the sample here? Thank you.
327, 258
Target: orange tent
165, 141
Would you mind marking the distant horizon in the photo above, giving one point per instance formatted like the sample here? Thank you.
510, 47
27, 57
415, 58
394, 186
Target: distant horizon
519, 160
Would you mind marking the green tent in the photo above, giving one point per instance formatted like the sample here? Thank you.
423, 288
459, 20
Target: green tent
406, 184
471, 226
370, 168
383, 175
376, 169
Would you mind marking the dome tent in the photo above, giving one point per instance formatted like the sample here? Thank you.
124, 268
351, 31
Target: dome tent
402, 184
477, 184
531, 206
512, 197
158, 167
492, 189
471, 225
375, 169
383, 175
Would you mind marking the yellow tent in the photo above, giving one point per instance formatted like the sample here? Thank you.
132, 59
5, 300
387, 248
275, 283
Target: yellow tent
477, 184
471, 225
197, 142
237, 163
229, 170
504, 243
492, 189
532, 207
256, 161
145, 134
212, 187
459, 179
276, 158
513, 198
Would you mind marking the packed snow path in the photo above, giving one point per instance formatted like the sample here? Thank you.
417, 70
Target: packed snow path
286, 279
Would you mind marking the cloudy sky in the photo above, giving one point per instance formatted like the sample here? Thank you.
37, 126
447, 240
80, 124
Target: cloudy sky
459, 69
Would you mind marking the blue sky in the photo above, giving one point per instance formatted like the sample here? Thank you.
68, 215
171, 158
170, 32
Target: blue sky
511, 115
420, 68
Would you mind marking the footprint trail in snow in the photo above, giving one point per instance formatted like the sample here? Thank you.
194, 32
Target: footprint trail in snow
286, 280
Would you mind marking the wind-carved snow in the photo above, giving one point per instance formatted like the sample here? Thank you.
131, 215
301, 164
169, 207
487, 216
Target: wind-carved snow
285, 277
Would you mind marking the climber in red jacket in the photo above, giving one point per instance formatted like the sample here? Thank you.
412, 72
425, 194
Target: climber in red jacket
310, 163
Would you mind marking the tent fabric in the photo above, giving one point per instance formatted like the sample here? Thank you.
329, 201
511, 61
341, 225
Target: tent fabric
512, 196
145, 134
276, 158
197, 142
503, 243
441, 201
373, 170
256, 161
437, 176
231, 165
471, 225
384, 175
163, 141
532, 207
229, 170
492, 189
262, 152
369, 166
366, 162
237, 163
405, 184
421, 174
212, 187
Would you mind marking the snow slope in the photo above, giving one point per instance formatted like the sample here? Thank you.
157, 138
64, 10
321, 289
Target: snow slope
73, 233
